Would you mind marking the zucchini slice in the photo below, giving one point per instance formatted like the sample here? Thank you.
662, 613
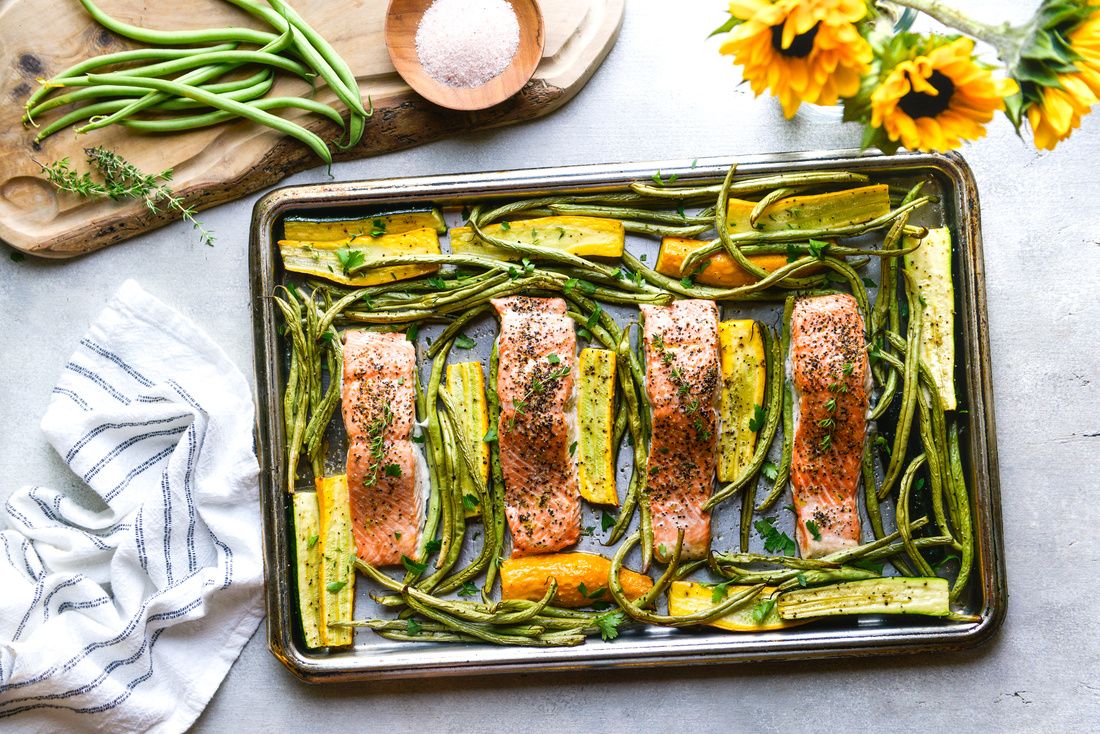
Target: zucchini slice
595, 416
687, 597
307, 554
466, 382
322, 229
323, 259
813, 211
337, 583
744, 374
930, 266
893, 595
581, 236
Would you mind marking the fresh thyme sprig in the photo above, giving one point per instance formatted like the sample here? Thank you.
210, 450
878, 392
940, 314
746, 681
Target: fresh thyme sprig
375, 435
122, 180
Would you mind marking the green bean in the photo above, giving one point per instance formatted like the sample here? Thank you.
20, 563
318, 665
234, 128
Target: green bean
614, 585
783, 471
752, 185
439, 505
634, 213
292, 313
213, 118
664, 230
431, 514
727, 240
768, 199
937, 461
966, 536
819, 578
493, 399
908, 401
636, 488
764, 439
231, 58
802, 564
175, 38
721, 212
322, 414
451, 494
259, 116
870, 494
902, 517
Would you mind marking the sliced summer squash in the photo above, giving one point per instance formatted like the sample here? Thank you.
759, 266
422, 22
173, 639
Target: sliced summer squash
833, 209
741, 351
337, 582
323, 258
466, 382
307, 552
595, 409
316, 229
582, 236
582, 579
687, 597
893, 595
930, 266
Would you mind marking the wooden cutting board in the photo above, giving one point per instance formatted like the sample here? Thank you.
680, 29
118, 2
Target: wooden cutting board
43, 37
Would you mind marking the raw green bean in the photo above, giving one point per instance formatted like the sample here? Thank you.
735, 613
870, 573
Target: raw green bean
231, 58
175, 38
259, 116
213, 118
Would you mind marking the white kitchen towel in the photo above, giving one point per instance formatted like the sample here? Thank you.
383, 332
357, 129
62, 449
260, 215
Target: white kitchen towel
126, 619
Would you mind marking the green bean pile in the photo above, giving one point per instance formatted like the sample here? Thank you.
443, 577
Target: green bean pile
925, 443
192, 79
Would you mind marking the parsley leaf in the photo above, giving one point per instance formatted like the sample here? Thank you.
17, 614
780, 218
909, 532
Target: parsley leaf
553, 359
757, 420
868, 283
814, 529
818, 248
412, 627
436, 282
468, 589
718, 591
946, 559
874, 566
606, 521
572, 448
774, 539
464, 342
433, 545
609, 624
490, 435
762, 609
770, 471
392, 470
350, 259
793, 253
412, 332
417, 438
587, 531
413, 566
312, 541
335, 586
505, 226
469, 502
802, 579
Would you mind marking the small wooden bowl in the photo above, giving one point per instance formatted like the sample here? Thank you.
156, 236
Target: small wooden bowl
403, 19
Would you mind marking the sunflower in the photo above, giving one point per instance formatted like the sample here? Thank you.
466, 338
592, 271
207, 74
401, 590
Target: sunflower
1059, 109
800, 50
938, 99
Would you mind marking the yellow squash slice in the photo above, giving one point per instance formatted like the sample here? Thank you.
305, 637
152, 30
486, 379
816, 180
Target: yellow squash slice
595, 409
337, 582
582, 579
307, 554
312, 229
741, 351
813, 211
466, 382
332, 259
582, 236
687, 597
930, 266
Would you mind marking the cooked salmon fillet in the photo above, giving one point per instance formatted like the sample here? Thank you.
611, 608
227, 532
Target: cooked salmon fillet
683, 384
386, 475
829, 373
535, 383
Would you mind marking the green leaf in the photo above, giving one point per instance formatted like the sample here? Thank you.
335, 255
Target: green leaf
490, 435
718, 591
726, 27
433, 545
417, 438
312, 541
686, 282
470, 502
793, 253
814, 529
468, 589
572, 448
774, 539
946, 559
770, 471
867, 282
464, 342
412, 627
505, 226
392, 470
350, 259
818, 248
412, 566
762, 609
334, 586
609, 624
594, 317
757, 420
436, 282
875, 567
606, 521
802, 579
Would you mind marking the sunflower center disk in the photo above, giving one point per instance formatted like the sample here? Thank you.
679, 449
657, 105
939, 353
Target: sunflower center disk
800, 47
921, 104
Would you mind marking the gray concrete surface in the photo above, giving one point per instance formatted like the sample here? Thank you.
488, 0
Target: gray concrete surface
665, 93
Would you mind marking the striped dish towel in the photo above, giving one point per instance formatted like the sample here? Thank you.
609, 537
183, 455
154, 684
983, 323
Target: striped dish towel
126, 617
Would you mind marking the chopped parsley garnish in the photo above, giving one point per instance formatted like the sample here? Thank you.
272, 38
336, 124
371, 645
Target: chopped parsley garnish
392, 470
793, 253
350, 259
334, 586
464, 342
573, 448
312, 541
867, 282
433, 545
469, 502
379, 228
468, 589
412, 627
412, 332
490, 435
606, 521
553, 359
757, 420
609, 624
814, 529
505, 226
587, 531
412, 566
818, 248
770, 471
762, 609
718, 591
775, 540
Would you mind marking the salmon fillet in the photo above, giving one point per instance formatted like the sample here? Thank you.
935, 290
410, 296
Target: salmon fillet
386, 476
829, 372
535, 383
683, 384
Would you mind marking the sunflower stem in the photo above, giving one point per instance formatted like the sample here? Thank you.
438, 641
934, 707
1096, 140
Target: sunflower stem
1005, 38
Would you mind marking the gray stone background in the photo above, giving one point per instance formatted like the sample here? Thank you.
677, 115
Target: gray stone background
665, 93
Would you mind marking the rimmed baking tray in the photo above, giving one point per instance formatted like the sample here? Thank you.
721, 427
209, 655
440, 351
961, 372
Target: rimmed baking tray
373, 657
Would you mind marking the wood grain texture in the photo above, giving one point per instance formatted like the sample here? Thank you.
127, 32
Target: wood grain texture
221, 163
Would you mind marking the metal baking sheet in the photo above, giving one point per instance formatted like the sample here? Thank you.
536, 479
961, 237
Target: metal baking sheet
373, 657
